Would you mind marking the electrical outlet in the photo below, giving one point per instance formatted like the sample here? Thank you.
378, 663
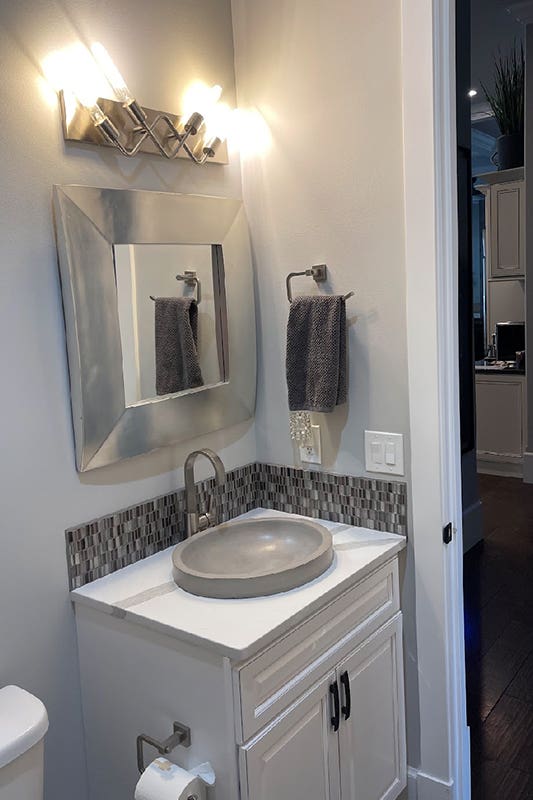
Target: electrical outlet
384, 452
313, 453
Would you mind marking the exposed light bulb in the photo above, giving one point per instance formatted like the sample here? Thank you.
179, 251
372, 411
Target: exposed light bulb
472, 92
74, 71
85, 92
199, 98
218, 121
113, 76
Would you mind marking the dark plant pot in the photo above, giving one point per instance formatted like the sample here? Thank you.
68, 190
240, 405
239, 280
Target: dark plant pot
510, 151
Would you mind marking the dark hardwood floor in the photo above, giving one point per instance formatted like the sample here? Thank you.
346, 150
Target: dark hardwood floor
498, 592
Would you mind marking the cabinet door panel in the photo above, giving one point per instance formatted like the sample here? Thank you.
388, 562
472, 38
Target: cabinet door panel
499, 415
507, 229
296, 757
372, 740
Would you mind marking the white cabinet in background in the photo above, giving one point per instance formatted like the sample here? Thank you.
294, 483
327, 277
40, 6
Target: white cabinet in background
500, 423
318, 714
506, 239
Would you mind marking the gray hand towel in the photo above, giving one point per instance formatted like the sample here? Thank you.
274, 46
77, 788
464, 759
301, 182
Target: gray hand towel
176, 345
316, 353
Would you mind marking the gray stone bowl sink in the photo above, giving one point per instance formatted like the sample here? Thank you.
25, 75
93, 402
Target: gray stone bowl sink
252, 558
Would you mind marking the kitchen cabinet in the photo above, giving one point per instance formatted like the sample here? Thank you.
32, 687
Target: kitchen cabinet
506, 230
500, 423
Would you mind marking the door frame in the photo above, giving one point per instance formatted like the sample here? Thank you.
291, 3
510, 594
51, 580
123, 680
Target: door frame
430, 169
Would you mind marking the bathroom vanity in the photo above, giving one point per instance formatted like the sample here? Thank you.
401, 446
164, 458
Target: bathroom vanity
296, 696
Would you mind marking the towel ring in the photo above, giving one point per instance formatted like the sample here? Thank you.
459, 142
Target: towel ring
319, 273
190, 278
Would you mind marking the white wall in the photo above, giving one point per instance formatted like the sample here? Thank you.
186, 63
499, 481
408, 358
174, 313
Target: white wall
329, 189
160, 46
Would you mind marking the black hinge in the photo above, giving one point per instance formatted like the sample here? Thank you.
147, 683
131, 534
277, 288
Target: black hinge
447, 533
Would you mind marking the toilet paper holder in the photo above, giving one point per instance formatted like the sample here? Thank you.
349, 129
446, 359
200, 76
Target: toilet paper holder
181, 736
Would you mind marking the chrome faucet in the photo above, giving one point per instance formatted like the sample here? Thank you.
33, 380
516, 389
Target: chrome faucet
194, 520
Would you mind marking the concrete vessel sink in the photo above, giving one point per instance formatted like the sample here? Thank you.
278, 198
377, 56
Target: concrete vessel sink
252, 558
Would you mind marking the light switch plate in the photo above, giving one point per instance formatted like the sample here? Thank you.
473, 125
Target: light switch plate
312, 454
384, 452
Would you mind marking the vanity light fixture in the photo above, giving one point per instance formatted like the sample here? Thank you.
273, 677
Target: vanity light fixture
129, 127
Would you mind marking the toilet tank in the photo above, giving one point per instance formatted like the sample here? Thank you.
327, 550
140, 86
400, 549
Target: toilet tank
23, 724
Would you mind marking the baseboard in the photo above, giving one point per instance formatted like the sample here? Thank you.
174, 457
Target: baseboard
472, 525
426, 787
505, 469
528, 468
412, 777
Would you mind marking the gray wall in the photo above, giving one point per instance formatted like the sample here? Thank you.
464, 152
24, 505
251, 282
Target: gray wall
160, 46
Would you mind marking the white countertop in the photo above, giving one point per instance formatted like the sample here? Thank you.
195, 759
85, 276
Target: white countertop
146, 594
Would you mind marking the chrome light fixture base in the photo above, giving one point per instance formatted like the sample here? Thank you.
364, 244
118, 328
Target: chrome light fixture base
78, 126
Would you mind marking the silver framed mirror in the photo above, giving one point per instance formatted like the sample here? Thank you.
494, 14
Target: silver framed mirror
122, 253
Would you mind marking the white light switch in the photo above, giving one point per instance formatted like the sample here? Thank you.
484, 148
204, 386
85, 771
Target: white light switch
390, 454
384, 452
377, 452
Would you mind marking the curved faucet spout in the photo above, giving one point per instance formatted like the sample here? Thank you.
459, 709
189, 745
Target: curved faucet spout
194, 520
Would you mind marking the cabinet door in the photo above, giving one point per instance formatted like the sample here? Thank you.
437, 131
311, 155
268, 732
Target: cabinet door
296, 757
507, 234
499, 414
372, 735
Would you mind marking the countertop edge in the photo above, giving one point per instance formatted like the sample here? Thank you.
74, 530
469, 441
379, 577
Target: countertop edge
253, 648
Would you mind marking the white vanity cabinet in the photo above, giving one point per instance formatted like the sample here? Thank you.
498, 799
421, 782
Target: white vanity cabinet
343, 738
314, 711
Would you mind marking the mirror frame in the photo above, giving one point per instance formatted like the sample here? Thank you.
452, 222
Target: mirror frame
89, 222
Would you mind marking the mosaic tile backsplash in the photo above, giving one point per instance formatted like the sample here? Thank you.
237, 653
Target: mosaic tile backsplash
104, 545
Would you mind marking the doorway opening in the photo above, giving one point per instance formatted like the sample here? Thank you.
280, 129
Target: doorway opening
497, 503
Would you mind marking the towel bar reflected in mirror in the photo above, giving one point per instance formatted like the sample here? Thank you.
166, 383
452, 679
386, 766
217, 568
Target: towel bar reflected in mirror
190, 278
319, 273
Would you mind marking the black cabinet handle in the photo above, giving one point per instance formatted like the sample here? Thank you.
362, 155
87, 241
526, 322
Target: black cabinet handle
345, 683
335, 718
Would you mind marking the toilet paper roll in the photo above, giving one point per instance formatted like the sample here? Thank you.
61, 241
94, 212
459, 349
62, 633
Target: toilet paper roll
163, 780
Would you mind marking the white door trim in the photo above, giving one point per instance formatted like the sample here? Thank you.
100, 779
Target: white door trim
428, 56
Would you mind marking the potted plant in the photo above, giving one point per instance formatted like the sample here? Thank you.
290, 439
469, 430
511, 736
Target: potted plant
507, 103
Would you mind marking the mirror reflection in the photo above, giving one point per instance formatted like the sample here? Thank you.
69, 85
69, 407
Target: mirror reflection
169, 309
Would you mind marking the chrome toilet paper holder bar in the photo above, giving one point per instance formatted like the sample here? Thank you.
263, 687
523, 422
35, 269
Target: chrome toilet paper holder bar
181, 736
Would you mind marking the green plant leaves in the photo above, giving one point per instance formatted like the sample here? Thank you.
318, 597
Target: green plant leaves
507, 99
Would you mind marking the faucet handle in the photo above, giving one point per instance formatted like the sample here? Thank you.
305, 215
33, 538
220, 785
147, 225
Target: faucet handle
212, 510
209, 519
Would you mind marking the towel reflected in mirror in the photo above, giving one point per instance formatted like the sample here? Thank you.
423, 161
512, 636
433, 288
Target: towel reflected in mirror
177, 363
